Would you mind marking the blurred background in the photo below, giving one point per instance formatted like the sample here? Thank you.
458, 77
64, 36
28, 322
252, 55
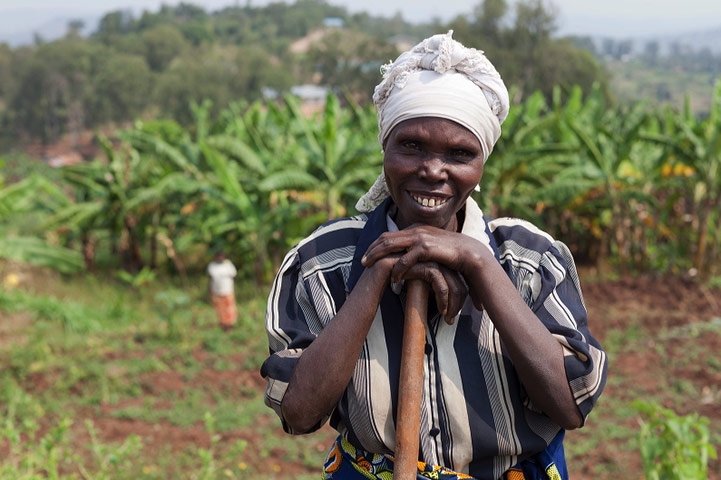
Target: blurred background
138, 138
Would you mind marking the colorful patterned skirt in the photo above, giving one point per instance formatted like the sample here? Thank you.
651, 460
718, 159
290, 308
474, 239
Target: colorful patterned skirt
226, 309
346, 462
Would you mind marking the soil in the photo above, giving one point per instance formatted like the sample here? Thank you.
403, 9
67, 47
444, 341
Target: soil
659, 321
652, 305
649, 324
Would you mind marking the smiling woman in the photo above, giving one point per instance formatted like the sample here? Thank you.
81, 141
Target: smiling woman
431, 166
509, 361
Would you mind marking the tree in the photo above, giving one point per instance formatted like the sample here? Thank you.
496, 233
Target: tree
698, 143
348, 61
53, 86
123, 87
489, 15
162, 44
28, 196
650, 52
74, 28
117, 22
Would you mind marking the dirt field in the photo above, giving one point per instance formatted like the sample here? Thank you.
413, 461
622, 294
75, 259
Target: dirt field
662, 336
660, 356
661, 348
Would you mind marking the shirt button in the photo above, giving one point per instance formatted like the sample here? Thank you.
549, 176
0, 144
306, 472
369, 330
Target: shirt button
429, 348
435, 431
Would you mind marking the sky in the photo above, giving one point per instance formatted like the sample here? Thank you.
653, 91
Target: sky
613, 18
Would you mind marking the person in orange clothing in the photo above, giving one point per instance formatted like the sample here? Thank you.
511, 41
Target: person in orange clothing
221, 273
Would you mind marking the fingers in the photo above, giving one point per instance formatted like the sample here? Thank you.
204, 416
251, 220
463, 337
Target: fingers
457, 293
406, 262
384, 245
413, 241
420, 243
448, 287
431, 274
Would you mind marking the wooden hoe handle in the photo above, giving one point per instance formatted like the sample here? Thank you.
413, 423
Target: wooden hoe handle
410, 389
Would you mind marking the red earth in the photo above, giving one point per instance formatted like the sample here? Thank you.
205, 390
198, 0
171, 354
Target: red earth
662, 335
651, 308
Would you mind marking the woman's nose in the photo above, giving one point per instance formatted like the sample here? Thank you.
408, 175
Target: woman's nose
433, 168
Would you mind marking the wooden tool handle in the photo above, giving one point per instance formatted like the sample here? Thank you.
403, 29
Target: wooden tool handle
410, 389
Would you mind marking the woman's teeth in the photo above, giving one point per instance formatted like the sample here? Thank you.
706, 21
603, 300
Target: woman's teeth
429, 202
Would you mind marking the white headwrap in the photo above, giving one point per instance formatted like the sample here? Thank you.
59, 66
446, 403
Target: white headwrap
439, 77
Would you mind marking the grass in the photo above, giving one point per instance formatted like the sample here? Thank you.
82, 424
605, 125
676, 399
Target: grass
99, 379
81, 352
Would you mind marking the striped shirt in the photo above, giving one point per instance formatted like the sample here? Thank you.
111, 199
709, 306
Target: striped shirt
476, 417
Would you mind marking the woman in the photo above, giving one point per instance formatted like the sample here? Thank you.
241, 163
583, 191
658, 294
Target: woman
512, 366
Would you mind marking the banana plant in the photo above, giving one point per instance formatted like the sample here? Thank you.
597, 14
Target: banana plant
343, 158
609, 167
33, 194
527, 157
697, 143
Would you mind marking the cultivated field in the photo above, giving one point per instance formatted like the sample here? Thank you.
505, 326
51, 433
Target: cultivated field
102, 380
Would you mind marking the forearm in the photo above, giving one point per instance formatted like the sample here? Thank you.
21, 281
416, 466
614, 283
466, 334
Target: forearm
537, 356
326, 366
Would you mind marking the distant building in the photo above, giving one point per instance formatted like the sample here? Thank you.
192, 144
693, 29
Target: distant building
312, 98
333, 22
310, 93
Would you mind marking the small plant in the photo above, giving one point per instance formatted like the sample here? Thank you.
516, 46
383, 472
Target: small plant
110, 460
140, 279
173, 306
207, 455
673, 447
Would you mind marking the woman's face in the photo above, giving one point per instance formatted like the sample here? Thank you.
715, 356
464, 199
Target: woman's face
431, 165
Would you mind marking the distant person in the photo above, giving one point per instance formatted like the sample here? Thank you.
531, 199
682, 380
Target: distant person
222, 272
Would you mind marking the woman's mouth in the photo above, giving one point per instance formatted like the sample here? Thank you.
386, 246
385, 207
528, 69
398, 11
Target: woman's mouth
428, 201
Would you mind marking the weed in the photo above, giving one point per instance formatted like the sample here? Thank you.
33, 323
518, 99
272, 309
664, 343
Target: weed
673, 447
173, 307
140, 279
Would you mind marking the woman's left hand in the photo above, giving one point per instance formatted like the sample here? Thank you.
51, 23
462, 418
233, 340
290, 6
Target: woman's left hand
422, 243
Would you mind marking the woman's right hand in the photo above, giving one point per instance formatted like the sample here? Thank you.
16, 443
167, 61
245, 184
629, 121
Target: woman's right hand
449, 288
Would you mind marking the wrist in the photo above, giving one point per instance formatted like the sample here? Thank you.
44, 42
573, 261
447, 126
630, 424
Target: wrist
474, 261
376, 277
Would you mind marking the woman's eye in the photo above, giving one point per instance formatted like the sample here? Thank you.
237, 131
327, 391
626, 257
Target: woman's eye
463, 154
412, 145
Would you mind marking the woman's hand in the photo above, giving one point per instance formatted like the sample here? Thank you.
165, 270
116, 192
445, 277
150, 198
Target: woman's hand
434, 255
448, 286
423, 243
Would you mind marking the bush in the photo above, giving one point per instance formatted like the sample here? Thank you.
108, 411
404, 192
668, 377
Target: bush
673, 447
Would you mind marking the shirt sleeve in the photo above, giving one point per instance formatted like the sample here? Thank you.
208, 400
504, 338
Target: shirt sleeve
554, 295
292, 323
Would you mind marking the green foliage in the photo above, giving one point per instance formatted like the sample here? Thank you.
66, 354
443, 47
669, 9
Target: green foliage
172, 306
37, 252
138, 66
63, 391
673, 447
143, 277
630, 184
29, 196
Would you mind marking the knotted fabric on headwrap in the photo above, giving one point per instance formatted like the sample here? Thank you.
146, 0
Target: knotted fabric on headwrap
439, 77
